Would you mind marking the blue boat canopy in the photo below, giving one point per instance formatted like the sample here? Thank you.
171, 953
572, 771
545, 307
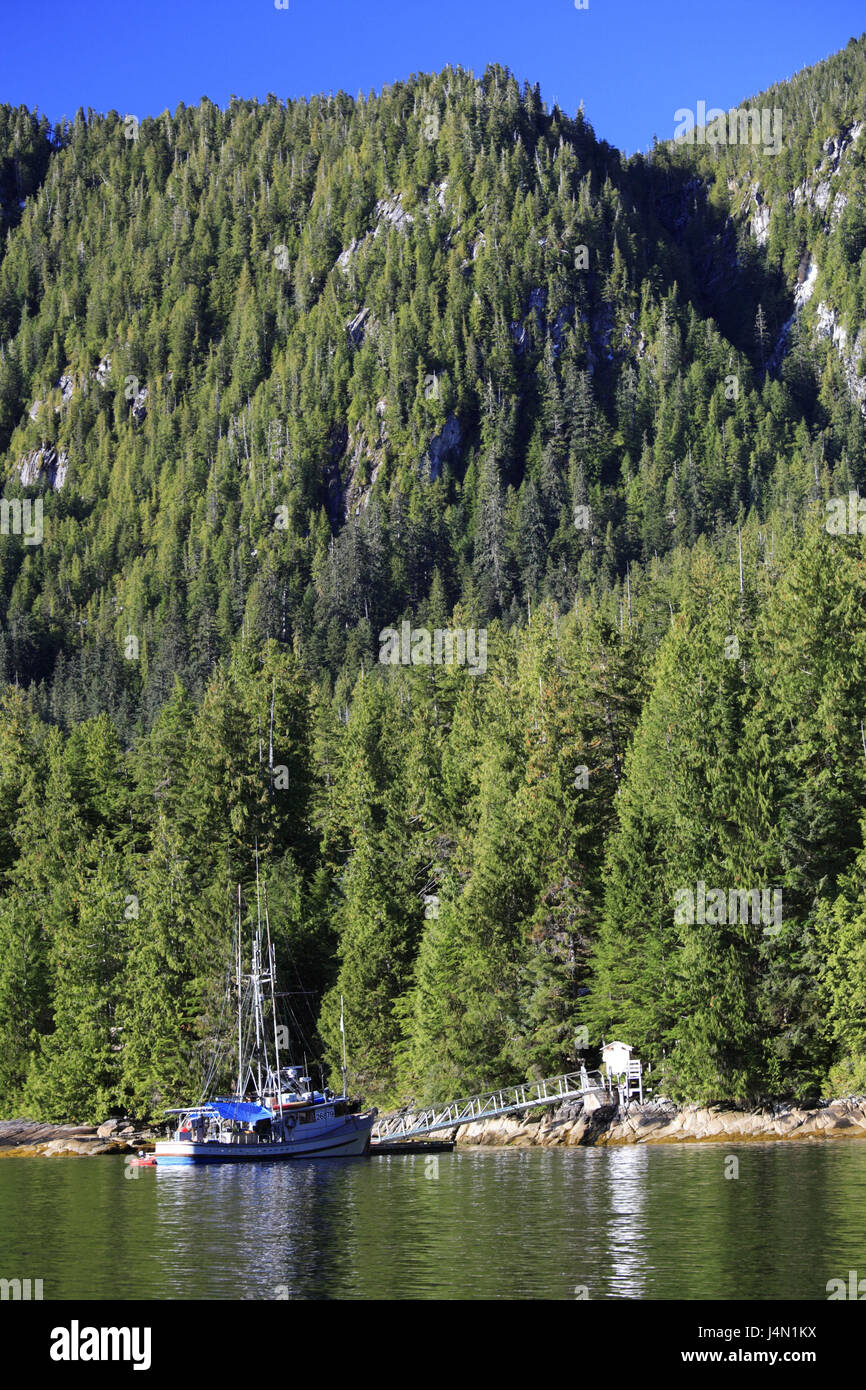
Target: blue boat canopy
244, 1111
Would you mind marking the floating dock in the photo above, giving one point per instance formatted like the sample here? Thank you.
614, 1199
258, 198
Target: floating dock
411, 1146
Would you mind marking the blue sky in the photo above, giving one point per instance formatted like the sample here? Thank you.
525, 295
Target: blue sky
632, 64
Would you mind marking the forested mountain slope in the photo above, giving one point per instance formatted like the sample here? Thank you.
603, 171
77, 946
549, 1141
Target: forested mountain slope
802, 196
285, 375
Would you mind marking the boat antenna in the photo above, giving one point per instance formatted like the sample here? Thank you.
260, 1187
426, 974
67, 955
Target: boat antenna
343, 1031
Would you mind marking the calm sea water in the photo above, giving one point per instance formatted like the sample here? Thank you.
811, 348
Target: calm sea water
647, 1223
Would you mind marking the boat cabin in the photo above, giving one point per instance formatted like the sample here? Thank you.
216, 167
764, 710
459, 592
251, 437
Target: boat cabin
271, 1122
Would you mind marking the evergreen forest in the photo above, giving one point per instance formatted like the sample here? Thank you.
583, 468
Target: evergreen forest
278, 379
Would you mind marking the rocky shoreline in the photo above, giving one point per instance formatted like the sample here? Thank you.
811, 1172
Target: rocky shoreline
663, 1122
30, 1138
569, 1125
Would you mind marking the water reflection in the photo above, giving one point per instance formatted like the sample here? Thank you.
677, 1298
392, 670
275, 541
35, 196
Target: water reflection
623, 1223
267, 1231
623, 1201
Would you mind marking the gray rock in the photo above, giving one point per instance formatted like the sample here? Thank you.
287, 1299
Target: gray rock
43, 465
444, 445
356, 326
78, 1148
391, 210
139, 406
345, 256
17, 1132
761, 224
827, 325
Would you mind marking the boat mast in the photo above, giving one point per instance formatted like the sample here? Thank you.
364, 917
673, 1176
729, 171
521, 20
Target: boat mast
257, 1009
240, 1004
273, 972
262, 974
343, 1031
257, 979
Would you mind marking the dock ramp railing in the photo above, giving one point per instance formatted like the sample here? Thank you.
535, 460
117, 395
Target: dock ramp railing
486, 1105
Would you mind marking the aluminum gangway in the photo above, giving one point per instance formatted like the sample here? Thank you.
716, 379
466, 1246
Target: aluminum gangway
410, 1124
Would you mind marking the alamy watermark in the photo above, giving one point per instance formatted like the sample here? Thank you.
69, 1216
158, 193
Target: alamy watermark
20, 1289
846, 516
747, 125
718, 906
417, 646
26, 519
855, 1290
77, 1343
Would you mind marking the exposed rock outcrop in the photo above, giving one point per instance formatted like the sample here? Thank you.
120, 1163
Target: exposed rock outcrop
356, 326
45, 465
139, 405
391, 210
815, 192
29, 1138
66, 387
364, 458
827, 325
356, 494
387, 210
760, 217
444, 445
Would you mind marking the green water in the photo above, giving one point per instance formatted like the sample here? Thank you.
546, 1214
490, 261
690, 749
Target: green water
648, 1223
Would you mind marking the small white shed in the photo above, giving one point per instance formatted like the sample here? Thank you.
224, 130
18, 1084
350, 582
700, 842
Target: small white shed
615, 1057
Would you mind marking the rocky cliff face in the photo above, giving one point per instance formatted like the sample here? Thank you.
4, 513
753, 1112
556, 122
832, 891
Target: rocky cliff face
821, 194
43, 466
827, 325
47, 465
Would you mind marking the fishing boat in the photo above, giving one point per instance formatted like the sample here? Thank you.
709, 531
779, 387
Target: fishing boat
275, 1111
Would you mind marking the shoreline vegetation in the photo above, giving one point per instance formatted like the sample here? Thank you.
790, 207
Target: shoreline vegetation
569, 1125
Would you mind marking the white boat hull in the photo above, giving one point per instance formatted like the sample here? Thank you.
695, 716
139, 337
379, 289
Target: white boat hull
349, 1138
